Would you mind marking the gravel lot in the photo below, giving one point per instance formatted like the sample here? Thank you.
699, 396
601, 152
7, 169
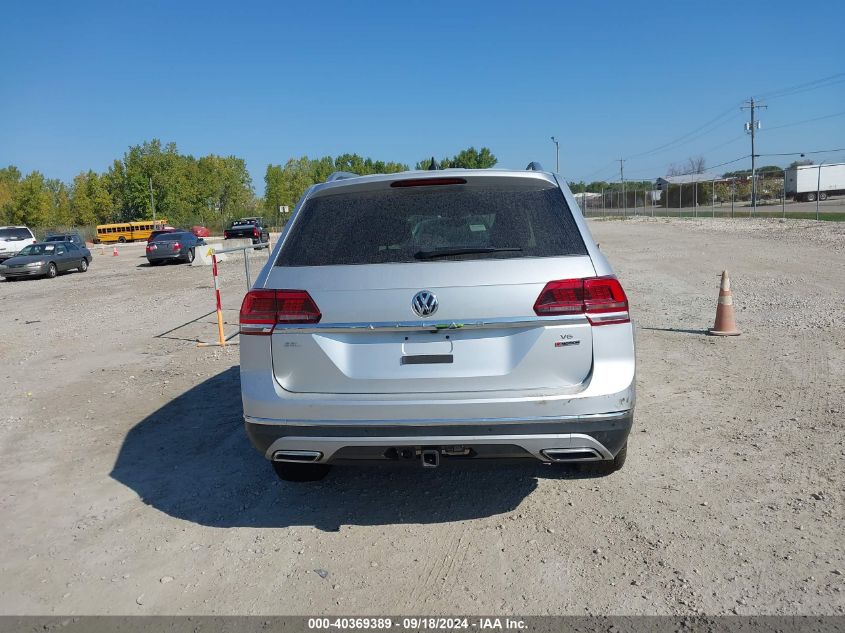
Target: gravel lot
129, 487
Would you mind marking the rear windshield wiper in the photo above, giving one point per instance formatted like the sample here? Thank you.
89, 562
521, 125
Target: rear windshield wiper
469, 250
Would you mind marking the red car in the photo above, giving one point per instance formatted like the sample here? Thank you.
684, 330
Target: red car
200, 231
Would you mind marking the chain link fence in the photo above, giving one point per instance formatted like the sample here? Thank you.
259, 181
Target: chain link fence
724, 197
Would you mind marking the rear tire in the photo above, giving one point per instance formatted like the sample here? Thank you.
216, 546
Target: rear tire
822, 196
122, 240
52, 271
810, 197
190, 256
83, 265
288, 471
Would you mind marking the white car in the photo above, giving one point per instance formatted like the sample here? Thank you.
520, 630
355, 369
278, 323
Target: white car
13, 239
457, 314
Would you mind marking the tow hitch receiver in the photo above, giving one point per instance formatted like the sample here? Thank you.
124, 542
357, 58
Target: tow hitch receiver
430, 458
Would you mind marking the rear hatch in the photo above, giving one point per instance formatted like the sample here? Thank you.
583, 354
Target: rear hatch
474, 252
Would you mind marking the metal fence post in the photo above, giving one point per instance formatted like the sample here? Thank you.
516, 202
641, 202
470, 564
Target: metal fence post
713, 198
733, 196
783, 197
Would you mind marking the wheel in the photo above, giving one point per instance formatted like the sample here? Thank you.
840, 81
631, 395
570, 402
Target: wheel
121, 239
190, 256
606, 467
288, 471
810, 197
822, 196
83, 265
52, 271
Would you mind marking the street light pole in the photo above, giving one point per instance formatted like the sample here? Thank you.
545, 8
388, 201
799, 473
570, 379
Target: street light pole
557, 155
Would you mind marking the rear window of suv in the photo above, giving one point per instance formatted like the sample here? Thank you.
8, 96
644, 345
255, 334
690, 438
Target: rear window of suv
432, 224
15, 234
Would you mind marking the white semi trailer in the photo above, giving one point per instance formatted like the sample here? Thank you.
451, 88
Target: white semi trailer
805, 182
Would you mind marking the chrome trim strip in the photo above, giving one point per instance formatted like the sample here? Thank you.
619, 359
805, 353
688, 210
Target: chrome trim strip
533, 444
255, 328
620, 317
587, 417
433, 326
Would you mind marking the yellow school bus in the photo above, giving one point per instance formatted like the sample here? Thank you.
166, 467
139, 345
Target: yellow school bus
127, 231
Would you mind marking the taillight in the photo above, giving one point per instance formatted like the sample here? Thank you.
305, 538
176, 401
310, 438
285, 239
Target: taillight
261, 310
255, 232
601, 299
176, 246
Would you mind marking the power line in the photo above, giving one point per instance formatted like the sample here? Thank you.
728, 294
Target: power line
602, 169
821, 151
820, 118
714, 122
824, 82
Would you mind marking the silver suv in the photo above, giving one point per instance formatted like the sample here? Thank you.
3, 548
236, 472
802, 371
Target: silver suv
430, 316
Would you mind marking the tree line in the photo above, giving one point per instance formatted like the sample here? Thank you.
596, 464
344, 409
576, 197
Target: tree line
156, 179
285, 184
149, 177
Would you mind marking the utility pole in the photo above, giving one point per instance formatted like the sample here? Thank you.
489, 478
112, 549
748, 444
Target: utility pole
752, 128
557, 155
622, 176
152, 201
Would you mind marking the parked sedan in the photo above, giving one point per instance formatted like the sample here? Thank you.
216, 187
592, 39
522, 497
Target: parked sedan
200, 231
173, 246
46, 259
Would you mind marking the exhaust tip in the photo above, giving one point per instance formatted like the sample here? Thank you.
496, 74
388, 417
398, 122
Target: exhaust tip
572, 454
297, 456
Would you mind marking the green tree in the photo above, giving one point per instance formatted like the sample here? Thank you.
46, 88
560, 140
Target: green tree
33, 202
469, 158
10, 177
284, 185
90, 202
223, 186
60, 215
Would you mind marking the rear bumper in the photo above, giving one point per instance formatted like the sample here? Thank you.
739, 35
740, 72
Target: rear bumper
165, 258
547, 439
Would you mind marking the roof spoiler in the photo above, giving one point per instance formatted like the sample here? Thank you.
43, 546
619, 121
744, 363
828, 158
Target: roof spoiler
341, 175
534, 166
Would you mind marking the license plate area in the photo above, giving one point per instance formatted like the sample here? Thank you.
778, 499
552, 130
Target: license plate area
427, 359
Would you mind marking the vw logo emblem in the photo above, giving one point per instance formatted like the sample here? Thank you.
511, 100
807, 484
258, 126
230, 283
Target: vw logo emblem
424, 303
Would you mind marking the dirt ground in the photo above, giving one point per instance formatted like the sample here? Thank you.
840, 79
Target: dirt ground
127, 485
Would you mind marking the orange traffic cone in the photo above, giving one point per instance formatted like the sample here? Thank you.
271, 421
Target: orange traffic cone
114, 252
725, 324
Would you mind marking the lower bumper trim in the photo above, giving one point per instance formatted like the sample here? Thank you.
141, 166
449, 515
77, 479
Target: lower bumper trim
583, 438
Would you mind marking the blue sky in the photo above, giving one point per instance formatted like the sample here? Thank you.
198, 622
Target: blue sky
404, 80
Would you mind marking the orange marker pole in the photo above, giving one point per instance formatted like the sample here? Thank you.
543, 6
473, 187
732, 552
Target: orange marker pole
219, 306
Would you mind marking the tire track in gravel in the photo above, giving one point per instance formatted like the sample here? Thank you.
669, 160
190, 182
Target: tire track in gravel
424, 591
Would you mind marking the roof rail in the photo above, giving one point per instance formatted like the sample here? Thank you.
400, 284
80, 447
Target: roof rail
341, 175
534, 166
